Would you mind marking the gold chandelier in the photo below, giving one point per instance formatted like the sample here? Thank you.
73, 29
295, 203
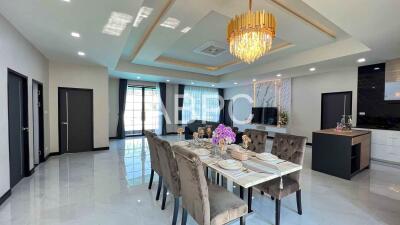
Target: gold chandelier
250, 34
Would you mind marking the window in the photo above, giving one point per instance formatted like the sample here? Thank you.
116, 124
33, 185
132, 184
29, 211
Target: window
142, 110
200, 103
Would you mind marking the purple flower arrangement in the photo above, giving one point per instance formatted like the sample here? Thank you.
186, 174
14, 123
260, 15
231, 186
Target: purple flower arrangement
223, 134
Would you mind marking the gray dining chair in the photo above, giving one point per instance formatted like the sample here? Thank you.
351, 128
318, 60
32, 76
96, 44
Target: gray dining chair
155, 162
291, 148
207, 203
170, 173
258, 140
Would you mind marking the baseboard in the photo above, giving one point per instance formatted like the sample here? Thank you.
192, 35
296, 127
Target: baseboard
113, 138
31, 171
172, 133
101, 148
309, 144
5, 196
51, 154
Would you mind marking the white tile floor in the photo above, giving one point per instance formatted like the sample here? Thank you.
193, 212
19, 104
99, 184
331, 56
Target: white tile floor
110, 187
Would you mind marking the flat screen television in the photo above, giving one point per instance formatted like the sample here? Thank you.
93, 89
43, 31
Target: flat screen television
270, 116
257, 115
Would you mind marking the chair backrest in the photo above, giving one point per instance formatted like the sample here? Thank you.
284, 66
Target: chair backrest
168, 166
258, 139
291, 148
194, 189
155, 162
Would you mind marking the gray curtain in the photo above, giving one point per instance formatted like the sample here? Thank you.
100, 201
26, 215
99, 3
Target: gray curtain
221, 112
163, 95
181, 91
123, 85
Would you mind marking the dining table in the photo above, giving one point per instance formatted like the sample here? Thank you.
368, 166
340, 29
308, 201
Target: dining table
253, 171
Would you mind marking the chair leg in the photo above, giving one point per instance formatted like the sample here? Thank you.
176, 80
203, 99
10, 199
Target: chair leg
242, 220
176, 210
277, 212
151, 178
249, 198
217, 178
206, 172
159, 188
184, 217
164, 198
262, 193
272, 198
298, 199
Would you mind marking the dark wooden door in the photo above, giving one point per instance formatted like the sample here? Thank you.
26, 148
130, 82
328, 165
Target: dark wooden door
333, 107
18, 127
75, 120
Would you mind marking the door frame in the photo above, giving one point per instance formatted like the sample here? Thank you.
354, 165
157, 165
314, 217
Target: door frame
41, 120
59, 120
25, 121
333, 93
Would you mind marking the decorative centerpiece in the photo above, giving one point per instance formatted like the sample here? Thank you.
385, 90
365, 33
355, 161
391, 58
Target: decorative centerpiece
201, 132
180, 132
246, 141
223, 136
209, 132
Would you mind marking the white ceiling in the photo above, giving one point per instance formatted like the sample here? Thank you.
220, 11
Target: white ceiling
369, 29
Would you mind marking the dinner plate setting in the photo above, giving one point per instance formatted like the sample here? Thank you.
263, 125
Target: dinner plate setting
230, 164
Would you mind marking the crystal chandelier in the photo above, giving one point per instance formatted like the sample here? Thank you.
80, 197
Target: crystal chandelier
250, 34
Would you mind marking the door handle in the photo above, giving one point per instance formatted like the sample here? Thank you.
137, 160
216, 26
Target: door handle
25, 129
64, 123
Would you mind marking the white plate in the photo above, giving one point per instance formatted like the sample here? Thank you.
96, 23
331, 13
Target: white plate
202, 152
266, 156
230, 164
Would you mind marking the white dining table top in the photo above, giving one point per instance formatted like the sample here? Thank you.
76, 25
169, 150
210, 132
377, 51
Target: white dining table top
254, 172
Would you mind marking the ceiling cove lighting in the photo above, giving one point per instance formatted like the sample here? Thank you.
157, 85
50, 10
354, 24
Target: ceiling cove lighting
250, 34
361, 60
66, 0
186, 29
171, 23
117, 23
254, 80
75, 35
312, 69
143, 13
81, 53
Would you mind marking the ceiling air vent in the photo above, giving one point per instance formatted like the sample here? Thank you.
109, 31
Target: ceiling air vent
211, 48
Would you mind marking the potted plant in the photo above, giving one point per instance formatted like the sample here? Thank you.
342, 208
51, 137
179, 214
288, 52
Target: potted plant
283, 119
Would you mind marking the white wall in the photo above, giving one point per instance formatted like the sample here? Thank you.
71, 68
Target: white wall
113, 101
18, 54
80, 76
306, 98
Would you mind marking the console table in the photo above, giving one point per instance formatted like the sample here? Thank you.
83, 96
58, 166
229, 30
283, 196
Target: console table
342, 154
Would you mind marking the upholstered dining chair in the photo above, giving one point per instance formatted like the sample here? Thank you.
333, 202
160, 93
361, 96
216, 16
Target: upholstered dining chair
207, 203
170, 173
258, 139
155, 162
290, 148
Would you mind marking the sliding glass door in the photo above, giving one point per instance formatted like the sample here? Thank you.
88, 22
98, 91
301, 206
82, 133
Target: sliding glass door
142, 110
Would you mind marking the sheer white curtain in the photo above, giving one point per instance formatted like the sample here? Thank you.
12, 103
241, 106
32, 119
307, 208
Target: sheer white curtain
158, 129
200, 103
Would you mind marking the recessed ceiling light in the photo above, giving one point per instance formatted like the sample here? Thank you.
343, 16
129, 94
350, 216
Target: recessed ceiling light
186, 29
138, 77
75, 34
117, 23
312, 69
279, 75
168, 80
212, 85
81, 53
171, 23
254, 80
361, 60
143, 13
192, 82
66, 0
236, 83
377, 68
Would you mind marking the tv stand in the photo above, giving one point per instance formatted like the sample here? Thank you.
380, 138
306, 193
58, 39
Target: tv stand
271, 129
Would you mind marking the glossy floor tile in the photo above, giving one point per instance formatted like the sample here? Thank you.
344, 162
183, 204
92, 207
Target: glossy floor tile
110, 188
